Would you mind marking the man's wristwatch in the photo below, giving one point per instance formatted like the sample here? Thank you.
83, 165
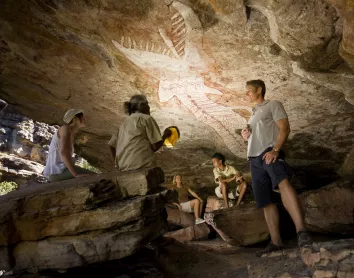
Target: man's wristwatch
275, 149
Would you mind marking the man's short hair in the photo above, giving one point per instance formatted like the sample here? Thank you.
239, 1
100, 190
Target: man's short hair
219, 156
258, 84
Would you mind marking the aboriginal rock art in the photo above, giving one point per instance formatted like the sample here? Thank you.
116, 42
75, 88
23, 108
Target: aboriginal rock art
178, 65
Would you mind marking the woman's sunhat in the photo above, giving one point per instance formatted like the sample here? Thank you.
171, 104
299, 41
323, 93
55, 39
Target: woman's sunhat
70, 114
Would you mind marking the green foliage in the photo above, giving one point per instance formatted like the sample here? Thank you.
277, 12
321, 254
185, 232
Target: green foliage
7, 186
88, 166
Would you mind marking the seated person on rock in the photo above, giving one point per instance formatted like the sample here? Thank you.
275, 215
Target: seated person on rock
184, 204
134, 145
227, 177
60, 163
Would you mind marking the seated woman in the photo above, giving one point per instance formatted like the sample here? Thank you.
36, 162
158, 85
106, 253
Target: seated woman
184, 204
134, 145
60, 163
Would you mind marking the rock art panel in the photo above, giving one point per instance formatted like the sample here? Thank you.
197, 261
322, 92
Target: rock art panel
179, 65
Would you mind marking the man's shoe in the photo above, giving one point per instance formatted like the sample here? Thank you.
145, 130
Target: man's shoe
199, 221
269, 249
304, 239
231, 203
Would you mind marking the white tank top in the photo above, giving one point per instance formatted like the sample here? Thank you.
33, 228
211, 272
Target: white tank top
55, 164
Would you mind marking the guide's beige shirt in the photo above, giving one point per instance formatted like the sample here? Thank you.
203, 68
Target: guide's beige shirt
133, 142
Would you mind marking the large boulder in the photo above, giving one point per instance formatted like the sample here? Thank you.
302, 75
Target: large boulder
243, 225
90, 247
330, 209
79, 221
179, 218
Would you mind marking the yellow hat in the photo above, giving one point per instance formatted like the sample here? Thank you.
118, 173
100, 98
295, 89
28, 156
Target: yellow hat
171, 141
70, 114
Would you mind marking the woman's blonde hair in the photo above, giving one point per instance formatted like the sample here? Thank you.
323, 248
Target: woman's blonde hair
174, 179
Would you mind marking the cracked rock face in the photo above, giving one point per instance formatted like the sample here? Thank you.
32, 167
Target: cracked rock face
192, 59
74, 223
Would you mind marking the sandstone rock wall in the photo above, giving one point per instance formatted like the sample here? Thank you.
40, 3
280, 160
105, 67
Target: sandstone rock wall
24, 137
330, 209
191, 58
81, 221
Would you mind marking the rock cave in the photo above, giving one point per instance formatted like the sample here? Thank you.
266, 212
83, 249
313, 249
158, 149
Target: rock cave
191, 59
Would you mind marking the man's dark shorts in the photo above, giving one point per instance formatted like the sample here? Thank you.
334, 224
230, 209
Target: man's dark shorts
266, 178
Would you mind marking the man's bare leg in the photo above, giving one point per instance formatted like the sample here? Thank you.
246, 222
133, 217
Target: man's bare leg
195, 206
243, 187
271, 215
224, 194
291, 204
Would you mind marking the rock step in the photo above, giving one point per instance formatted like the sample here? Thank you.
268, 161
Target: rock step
113, 215
324, 259
81, 221
194, 232
243, 225
179, 218
58, 253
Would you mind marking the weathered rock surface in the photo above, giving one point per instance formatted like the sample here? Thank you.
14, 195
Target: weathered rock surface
191, 58
80, 221
193, 232
330, 209
44, 205
243, 225
66, 252
330, 259
345, 10
5, 259
24, 137
179, 218
20, 170
214, 203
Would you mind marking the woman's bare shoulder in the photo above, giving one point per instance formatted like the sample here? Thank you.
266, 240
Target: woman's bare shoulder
64, 130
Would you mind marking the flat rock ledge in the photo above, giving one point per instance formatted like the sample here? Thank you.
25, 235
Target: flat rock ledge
81, 221
329, 259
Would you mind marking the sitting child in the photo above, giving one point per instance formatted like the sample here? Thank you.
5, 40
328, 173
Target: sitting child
225, 175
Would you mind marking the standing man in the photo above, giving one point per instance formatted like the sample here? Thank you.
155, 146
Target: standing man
134, 144
267, 132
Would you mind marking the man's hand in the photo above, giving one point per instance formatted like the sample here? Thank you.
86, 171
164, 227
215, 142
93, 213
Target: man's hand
167, 133
270, 157
179, 207
239, 179
227, 180
245, 133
